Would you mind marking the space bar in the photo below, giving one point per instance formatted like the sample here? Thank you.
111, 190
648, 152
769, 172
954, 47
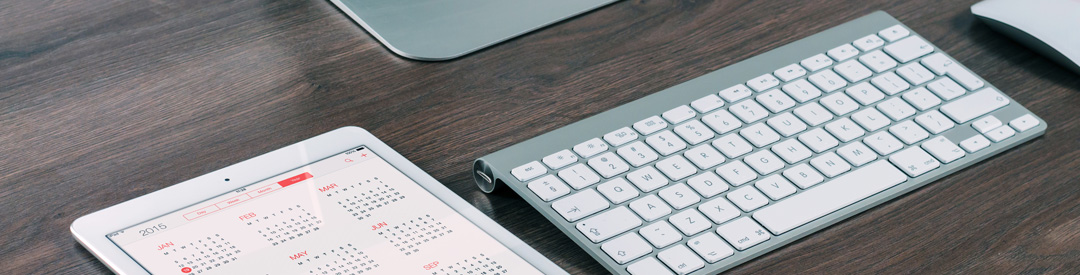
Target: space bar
829, 197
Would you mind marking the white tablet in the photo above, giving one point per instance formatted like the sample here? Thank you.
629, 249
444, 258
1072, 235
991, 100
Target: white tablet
339, 203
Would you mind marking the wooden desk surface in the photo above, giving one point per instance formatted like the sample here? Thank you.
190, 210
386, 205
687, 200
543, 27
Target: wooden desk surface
102, 101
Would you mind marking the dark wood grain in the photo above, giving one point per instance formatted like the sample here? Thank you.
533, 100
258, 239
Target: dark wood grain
102, 101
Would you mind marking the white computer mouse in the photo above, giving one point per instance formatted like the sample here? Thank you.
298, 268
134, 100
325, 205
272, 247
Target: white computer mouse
1050, 27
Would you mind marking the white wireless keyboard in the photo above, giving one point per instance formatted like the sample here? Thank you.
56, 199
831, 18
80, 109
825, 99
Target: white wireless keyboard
711, 173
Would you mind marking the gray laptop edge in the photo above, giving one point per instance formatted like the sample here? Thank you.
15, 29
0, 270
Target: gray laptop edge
433, 30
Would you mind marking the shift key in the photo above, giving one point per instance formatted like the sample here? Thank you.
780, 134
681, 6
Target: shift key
975, 105
608, 224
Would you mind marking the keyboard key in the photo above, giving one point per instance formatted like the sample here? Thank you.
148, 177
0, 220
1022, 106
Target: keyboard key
608, 224
721, 121
828, 81
975, 143
865, 93
647, 179
786, 124
870, 119
909, 132
732, 145
839, 103
764, 162
579, 176
896, 109
626, 248
679, 114
830, 164
857, 153
710, 247
648, 266
637, 153
560, 159
942, 65
680, 259
816, 62
915, 74
528, 171
883, 143
853, 71
676, 167
743, 233
934, 121
845, 129
813, 114
921, 98
776, 101
690, 222
660, 234
650, 125
621, 136
776, 187
974, 105
707, 184
763, 82
759, 134
618, 190
580, 205
986, 124
590, 147
914, 161
736, 93
803, 176
946, 88
609, 165
666, 142
749, 111
694, 132
707, 103
790, 72
878, 61
650, 208
747, 198
818, 140
549, 188
792, 151
843, 52
869, 42
1024, 122
894, 33
704, 156
944, 150
909, 49
828, 197
890, 83
679, 196
1000, 133
802, 90
719, 210
736, 173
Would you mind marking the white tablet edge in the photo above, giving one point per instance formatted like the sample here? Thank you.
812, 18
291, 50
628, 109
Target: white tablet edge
91, 230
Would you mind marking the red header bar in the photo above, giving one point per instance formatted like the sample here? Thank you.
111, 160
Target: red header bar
295, 179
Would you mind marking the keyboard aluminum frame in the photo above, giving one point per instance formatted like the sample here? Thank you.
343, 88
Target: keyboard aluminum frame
493, 170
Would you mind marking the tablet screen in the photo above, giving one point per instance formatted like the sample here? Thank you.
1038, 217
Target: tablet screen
353, 213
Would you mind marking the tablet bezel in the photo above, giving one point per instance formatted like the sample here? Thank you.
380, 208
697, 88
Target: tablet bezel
91, 230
